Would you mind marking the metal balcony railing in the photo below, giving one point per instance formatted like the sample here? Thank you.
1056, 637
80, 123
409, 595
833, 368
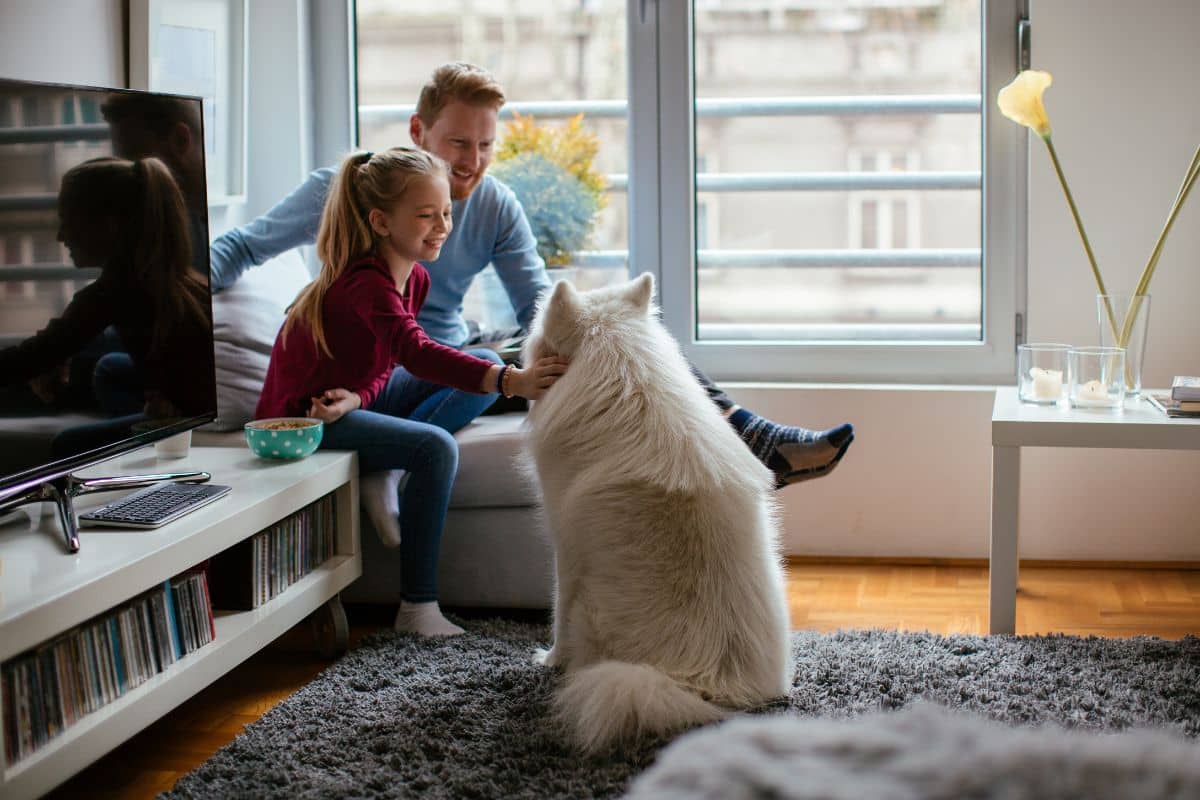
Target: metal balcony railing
33, 134
705, 182
41, 201
840, 106
864, 105
48, 272
802, 259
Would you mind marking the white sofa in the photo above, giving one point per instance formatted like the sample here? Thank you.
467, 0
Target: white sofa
493, 553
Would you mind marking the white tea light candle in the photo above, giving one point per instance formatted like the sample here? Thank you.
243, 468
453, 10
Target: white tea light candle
1096, 377
1047, 383
1094, 393
1040, 370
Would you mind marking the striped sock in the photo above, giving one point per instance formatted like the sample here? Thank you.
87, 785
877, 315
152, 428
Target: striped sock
793, 454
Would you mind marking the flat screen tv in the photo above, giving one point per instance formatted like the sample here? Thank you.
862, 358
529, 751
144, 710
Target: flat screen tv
105, 313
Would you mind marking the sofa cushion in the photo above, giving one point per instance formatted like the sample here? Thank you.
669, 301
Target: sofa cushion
489, 471
246, 318
490, 557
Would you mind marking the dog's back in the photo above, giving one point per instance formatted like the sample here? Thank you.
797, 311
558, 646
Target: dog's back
663, 528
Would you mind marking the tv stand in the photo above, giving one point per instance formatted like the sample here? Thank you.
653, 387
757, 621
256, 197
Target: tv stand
46, 594
63, 490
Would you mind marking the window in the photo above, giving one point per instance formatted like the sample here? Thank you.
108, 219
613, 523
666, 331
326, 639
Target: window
820, 188
852, 227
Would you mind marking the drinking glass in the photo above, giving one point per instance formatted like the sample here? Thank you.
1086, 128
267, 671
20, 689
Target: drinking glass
1096, 376
1041, 369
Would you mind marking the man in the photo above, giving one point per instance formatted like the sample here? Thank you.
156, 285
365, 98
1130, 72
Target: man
456, 119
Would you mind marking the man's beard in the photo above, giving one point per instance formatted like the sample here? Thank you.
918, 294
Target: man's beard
460, 190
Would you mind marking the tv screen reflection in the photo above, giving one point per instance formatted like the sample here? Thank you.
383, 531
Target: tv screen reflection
105, 314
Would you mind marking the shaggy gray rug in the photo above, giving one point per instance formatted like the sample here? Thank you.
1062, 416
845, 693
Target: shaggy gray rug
468, 716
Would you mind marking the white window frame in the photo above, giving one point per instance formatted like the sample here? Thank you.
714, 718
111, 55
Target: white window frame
662, 189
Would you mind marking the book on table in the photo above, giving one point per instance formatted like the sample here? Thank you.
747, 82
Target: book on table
1174, 408
1185, 388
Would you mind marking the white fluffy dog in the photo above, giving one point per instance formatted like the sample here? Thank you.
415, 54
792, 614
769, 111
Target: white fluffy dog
669, 608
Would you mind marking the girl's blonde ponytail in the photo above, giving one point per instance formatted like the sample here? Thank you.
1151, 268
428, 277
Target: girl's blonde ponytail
344, 236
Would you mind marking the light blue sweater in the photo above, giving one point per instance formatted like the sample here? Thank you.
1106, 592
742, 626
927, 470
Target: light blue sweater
490, 227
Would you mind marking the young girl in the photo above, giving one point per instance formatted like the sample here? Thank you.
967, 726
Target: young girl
352, 354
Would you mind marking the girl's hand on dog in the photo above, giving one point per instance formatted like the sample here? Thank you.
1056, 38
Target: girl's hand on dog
532, 382
333, 404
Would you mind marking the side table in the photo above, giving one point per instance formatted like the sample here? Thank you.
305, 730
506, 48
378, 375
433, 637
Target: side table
1137, 426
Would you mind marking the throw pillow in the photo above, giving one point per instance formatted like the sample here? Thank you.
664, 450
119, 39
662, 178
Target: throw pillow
246, 318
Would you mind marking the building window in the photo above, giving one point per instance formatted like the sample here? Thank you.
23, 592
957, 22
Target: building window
883, 220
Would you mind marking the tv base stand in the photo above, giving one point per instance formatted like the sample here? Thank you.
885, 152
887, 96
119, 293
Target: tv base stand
63, 490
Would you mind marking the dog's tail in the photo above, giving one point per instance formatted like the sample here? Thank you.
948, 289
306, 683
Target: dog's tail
614, 703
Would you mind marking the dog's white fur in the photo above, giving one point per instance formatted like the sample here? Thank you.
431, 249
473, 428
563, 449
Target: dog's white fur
669, 607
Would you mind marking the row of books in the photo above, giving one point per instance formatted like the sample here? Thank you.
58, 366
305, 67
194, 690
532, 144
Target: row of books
47, 690
259, 568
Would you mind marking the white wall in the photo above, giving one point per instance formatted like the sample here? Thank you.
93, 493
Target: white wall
67, 41
1126, 122
916, 481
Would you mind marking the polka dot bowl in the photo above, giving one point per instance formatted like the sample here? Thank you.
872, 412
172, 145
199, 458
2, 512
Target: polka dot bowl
284, 437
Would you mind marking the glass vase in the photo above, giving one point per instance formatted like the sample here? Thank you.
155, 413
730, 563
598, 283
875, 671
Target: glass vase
1125, 307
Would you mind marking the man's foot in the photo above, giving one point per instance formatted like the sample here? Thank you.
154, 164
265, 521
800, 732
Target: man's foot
379, 495
424, 619
793, 454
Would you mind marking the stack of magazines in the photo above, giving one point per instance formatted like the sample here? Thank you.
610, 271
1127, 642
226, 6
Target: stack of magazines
1184, 399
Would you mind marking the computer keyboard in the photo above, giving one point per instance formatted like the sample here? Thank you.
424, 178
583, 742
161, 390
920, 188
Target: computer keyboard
155, 505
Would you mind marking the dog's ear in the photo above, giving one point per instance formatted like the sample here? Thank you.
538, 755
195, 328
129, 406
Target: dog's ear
641, 289
565, 297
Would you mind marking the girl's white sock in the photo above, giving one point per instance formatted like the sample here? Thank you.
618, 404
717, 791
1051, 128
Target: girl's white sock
379, 494
424, 619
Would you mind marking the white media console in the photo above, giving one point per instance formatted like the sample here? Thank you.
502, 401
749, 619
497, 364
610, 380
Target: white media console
44, 590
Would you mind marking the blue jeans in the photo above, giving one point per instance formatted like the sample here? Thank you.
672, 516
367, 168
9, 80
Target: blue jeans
118, 384
410, 427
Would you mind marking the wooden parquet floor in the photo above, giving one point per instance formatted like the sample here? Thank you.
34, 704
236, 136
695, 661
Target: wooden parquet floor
823, 596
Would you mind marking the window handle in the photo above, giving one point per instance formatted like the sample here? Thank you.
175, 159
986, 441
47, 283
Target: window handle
1024, 35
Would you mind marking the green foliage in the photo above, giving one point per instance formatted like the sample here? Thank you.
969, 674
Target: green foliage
550, 169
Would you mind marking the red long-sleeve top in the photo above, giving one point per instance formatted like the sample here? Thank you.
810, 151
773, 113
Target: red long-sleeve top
370, 328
